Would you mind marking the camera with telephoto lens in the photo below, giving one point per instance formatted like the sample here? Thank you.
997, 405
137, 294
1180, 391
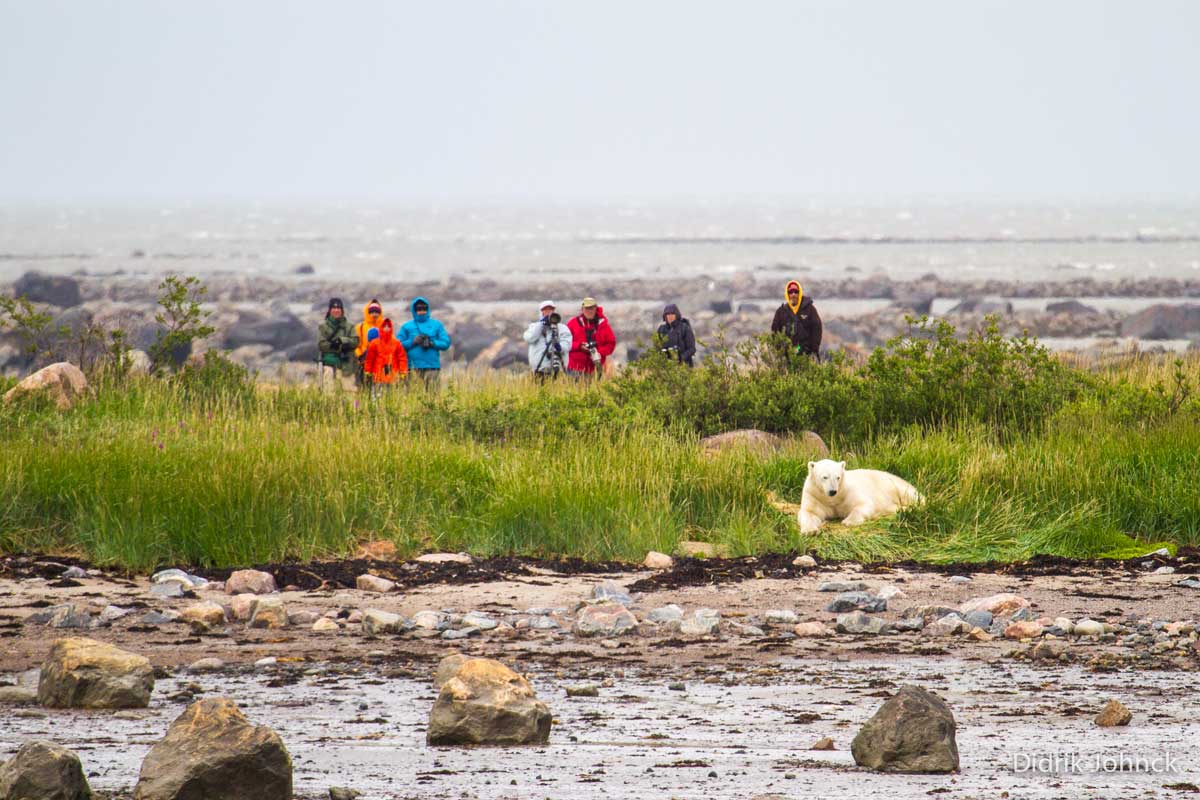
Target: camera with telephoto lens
553, 319
592, 352
421, 340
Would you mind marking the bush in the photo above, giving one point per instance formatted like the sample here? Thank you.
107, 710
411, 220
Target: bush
215, 381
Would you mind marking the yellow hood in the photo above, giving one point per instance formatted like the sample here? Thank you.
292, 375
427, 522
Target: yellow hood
799, 297
364, 327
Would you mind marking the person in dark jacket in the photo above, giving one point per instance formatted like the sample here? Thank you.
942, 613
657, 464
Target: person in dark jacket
676, 337
336, 339
797, 319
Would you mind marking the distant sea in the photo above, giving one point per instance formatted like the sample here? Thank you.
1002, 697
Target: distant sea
522, 241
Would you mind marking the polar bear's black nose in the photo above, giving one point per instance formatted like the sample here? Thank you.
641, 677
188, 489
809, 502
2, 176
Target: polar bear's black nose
832, 492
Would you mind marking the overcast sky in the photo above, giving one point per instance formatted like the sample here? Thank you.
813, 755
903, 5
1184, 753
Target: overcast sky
301, 99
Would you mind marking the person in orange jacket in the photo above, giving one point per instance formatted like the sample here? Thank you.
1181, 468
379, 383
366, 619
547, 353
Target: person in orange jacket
385, 361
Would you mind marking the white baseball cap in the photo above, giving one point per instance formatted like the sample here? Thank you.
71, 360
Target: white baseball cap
547, 304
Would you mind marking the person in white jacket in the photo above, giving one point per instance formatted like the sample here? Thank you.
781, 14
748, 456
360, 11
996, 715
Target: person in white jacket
548, 351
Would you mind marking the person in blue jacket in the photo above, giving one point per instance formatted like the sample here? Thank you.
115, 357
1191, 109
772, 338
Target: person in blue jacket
424, 338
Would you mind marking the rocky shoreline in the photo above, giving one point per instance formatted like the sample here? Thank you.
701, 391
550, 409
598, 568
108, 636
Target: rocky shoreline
269, 324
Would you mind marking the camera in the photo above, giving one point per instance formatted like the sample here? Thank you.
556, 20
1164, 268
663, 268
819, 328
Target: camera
592, 352
421, 340
553, 319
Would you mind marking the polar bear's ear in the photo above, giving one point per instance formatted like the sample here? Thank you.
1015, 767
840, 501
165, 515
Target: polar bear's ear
842, 464
811, 465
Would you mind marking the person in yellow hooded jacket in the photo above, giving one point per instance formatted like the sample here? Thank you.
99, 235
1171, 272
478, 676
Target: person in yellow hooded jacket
366, 331
797, 319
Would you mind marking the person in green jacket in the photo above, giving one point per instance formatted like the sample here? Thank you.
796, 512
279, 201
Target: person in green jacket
336, 340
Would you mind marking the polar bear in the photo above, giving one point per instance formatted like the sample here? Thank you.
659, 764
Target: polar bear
853, 496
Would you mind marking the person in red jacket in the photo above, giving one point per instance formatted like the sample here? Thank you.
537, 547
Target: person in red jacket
592, 340
385, 361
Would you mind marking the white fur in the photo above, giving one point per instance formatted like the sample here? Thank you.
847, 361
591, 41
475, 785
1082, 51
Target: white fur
859, 495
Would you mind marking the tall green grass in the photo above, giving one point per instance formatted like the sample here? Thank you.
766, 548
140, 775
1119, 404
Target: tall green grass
143, 474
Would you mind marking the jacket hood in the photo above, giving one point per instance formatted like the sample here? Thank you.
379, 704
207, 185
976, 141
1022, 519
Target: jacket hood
372, 303
412, 307
671, 309
799, 300
386, 330
599, 313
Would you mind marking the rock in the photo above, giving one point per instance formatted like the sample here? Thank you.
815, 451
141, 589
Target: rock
208, 614
1089, 627
445, 558
842, 586
890, 592
278, 330
67, 616
17, 696
758, 442
243, 606
160, 617
55, 290
325, 625
858, 622
702, 622
430, 620
980, 635
373, 583
741, 629
928, 614
269, 612
1047, 651
979, 305
207, 665
376, 623
657, 560
341, 793
185, 579
267, 661
609, 591
959, 579
668, 613
979, 619
948, 625
782, 616
812, 630
604, 619
84, 673
996, 604
589, 690
823, 744
702, 550
303, 618
913, 732
42, 770
213, 752
850, 601
1023, 615
168, 590
1027, 629
807, 562
249, 581
1070, 307
74, 573
1163, 322
1113, 714
62, 383
447, 668
476, 619
485, 702
111, 614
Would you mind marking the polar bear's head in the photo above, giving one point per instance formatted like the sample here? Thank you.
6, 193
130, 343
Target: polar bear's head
827, 475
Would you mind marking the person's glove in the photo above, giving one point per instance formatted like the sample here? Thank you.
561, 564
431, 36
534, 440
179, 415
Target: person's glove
422, 341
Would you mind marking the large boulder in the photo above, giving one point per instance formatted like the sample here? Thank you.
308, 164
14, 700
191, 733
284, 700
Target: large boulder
56, 290
1163, 322
250, 581
85, 673
605, 619
485, 702
43, 771
913, 731
761, 443
279, 331
62, 383
213, 752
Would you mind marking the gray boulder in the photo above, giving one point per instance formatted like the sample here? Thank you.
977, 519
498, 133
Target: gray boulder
56, 290
913, 731
605, 619
213, 752
43, 771
279, 331
84, 673
1163, 322
485, 702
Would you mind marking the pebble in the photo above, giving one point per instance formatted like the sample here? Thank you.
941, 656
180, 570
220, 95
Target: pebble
807, 562
589, 690
823, 744
478, 620
959, 579
850, 601
782, 616
610, 592
326, 625
374, 583
669, 613
1113, 714
657, 560
842, 586
1089, 627
207, 665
